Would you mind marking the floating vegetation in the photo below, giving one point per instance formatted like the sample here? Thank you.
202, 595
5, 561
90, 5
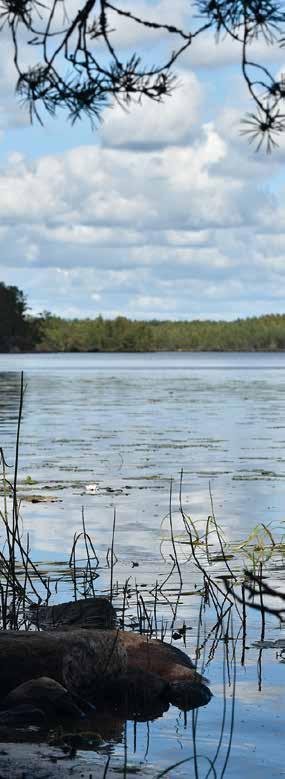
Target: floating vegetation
225, 571
29, 481
40, 499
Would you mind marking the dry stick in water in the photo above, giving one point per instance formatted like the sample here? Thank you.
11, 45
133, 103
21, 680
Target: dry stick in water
232, 712
167, 579
89, 545
207, 578
112, 556
261, 605
125, 592
72, 566
125, 767
262, 634
266, 590
219, 745
15, 525
12, 556
88, 574
195, 711
106, 767
217, 630
147, 617
155, 607
140, 616
253, 592
219, 535
172, 536
11, 608
243, 624
27, 564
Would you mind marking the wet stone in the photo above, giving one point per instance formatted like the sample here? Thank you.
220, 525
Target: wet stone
138, 686
22, 716
92, 613
45, 693
187, 695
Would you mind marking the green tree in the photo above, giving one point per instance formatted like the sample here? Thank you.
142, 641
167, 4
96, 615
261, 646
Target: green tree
124, 335
13, 325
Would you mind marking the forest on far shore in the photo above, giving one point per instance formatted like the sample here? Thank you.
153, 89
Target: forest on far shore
20, 332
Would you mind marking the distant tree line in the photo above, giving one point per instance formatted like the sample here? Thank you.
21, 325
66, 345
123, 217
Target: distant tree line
49, 333
266, 333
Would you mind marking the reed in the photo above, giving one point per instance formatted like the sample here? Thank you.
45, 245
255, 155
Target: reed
241, 584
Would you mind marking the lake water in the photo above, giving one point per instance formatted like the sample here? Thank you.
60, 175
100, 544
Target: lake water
128, 424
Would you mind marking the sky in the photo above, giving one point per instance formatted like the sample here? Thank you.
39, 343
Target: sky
164, 211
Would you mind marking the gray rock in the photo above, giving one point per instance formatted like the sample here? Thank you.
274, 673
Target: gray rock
47, 695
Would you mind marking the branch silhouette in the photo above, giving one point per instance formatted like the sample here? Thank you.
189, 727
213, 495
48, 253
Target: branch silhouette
79, 68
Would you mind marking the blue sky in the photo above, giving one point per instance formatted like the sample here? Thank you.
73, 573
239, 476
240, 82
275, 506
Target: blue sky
164, 211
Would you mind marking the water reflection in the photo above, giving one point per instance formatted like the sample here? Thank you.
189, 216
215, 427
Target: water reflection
9, 403
129, 425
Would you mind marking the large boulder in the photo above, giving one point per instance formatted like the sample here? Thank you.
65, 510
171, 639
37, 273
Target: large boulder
77, 659
158, 657
121, 667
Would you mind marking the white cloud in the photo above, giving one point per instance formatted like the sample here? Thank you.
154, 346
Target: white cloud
171, 215
154, 125
153, 302
128, 34
206, 52
12, 113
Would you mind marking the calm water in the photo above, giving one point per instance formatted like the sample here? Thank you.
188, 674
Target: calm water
129, 424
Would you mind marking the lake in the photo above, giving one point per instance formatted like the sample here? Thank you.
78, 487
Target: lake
105, 432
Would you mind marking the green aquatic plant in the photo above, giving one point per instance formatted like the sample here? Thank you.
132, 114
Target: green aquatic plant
259, 546
29, 480
207, 541
221, 568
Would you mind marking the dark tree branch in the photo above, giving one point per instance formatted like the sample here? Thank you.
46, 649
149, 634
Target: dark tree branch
80, 69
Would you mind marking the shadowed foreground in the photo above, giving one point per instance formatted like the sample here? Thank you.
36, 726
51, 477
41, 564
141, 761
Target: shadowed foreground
102, 667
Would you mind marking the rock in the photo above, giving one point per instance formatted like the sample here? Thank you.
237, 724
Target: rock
22, 716
185, 687
76, 659
95, 613
41, 499
188, 695
135, 695
136, 691
123, 666
96, 657
158, 657
71, 742
46, 694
